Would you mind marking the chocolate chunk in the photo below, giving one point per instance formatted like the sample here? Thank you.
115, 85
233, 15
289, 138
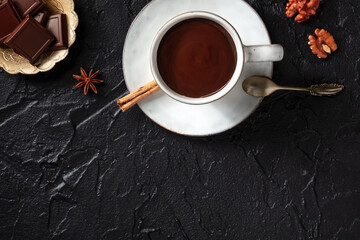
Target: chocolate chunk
57, 25
26, 7
9, 19
41, 17
30, 39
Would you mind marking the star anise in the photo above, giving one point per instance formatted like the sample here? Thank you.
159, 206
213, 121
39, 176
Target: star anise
87, 80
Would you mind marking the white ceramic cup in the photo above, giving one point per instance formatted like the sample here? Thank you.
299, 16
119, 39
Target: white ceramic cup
261, 53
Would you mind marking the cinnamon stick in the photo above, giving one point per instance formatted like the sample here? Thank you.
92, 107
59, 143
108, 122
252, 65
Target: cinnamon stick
138, 95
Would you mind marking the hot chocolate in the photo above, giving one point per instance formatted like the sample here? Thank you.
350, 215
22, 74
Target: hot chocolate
196, 58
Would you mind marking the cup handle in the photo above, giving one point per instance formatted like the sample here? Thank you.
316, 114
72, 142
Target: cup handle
264, 53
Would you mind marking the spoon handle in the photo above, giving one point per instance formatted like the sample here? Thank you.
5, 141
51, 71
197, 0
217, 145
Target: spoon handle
294, 88
324, 89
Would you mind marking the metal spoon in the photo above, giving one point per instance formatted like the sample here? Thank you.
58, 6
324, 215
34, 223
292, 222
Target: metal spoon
262, 86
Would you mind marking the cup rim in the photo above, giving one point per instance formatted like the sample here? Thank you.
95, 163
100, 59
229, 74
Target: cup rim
239, 53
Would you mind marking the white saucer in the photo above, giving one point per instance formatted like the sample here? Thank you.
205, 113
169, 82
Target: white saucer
193, 120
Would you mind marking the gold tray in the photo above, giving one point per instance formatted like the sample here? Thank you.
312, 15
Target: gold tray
14, 63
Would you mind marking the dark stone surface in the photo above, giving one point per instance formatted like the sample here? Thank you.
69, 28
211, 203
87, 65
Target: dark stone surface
75, 167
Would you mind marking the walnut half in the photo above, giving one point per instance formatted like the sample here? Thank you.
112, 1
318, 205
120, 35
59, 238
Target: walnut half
304, 8
322, 45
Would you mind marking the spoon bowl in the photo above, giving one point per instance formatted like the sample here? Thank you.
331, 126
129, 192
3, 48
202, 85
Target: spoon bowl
259, 86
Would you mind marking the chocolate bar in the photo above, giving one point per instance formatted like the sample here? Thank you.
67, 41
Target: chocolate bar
26, 7
30, 39
41, 17
57, 25
9, 19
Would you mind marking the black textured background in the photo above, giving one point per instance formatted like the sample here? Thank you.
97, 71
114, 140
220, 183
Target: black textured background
75, 167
